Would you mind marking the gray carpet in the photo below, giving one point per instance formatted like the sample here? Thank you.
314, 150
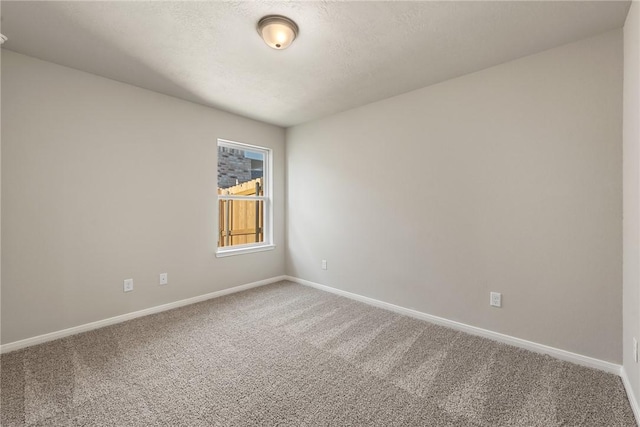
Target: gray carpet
285, 354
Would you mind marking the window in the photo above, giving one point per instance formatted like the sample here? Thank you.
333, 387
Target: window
244, 198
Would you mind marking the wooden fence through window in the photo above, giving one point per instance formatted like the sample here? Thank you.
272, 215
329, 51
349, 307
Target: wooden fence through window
241, 221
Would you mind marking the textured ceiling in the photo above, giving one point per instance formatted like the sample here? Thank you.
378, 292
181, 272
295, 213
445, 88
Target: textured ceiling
347, 53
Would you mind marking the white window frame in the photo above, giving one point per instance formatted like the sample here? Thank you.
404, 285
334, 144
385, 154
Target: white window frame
266, 198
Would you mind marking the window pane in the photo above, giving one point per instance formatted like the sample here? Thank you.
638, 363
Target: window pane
237, 166
241, 222
243, 196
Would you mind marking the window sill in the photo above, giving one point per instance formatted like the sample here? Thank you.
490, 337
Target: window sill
221, 253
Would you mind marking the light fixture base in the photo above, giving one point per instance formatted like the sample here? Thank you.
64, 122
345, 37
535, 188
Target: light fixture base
277, 31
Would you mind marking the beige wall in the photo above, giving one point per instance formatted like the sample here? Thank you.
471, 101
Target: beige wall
631, 172
511, 177
505, 180
103, 181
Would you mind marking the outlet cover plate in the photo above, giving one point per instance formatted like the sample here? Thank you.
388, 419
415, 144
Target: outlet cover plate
495, 299
164, 278
128, 285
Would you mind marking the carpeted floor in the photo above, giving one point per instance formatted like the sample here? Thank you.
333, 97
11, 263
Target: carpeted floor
286, 354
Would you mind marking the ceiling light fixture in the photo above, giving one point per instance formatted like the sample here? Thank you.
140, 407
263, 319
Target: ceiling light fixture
277, 31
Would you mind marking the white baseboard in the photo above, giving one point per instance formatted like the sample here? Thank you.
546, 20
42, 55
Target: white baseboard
507, 339
496, 336
630, 394
17, 345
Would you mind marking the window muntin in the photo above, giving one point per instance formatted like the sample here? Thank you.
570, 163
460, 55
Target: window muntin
244, 204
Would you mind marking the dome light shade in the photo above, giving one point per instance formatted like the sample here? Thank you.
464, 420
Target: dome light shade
277, 31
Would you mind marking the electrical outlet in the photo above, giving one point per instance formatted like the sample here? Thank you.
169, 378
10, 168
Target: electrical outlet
635, 350
495, 299
324, 264
128, 285
164, 278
